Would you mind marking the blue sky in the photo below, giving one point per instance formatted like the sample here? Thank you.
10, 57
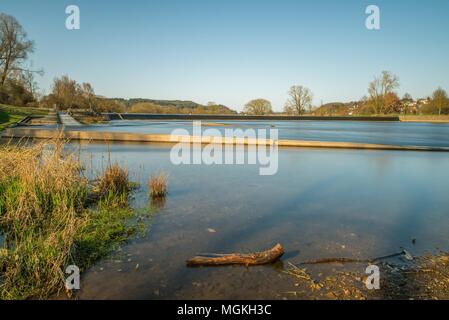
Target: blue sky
233, 51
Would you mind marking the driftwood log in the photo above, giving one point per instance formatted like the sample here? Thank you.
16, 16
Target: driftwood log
249, 259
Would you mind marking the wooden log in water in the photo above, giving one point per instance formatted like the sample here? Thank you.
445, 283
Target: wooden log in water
248, 259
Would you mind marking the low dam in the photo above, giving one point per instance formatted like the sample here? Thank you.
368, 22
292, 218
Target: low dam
19, 132
67, 120
148, 116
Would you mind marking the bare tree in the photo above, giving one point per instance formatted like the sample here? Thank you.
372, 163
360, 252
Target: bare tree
299, 101
28, 80
258, 107
379, 88
439, 99
65, 91
14, 46
88, 96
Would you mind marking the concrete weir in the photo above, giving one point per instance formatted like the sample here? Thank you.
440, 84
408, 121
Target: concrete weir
67, 120
19, 132
235, 117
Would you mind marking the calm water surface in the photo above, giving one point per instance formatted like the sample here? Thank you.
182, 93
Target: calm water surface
322, 203
396, 133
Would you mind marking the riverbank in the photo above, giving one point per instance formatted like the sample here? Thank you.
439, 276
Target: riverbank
425, 118
423, 278
51, 217
10, 115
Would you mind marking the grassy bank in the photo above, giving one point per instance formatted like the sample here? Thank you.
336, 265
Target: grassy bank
12, 114
23, 111
7, 119
52, 217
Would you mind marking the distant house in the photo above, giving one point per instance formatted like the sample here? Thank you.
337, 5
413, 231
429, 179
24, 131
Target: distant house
423, 101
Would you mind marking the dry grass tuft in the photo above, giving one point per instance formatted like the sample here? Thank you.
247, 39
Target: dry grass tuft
114, 186
157, 185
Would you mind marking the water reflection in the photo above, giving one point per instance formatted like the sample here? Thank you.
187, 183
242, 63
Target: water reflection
321, 203
157, 203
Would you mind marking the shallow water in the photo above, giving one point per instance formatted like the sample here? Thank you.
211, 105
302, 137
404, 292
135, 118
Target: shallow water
395, 133
322, 203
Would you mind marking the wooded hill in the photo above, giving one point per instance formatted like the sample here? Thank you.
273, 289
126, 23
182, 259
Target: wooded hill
140, 105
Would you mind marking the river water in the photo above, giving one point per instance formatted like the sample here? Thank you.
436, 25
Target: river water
321, 203
395, 133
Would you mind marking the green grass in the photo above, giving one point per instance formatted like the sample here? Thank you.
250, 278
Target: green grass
106, 229
12, 114
22, 111
46, 224
6, 120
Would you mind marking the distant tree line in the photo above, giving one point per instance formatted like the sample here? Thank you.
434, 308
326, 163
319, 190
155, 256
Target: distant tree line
68, 94
382, 99
299, 102
178, 107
